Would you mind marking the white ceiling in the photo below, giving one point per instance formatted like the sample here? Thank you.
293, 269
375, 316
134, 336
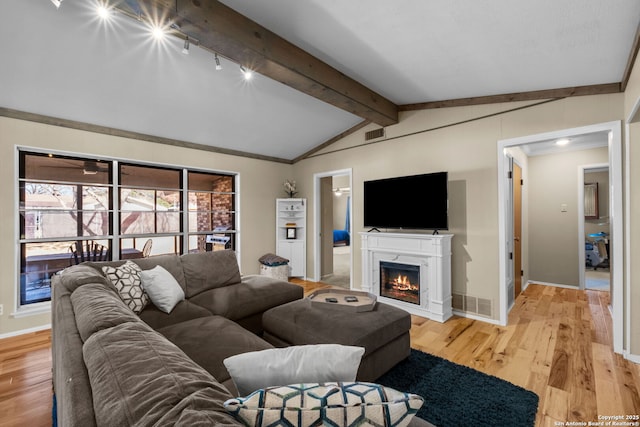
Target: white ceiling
575, 142
68, 64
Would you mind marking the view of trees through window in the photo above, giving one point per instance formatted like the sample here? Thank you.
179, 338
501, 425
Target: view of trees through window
67, 214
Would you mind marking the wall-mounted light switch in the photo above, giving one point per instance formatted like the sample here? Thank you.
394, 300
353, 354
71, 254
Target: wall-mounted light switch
563, 207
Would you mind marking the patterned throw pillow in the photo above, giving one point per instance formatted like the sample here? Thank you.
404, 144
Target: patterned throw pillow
336, 404
126, 279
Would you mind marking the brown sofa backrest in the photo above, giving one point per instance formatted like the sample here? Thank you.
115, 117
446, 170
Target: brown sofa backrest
209, 270
171, 263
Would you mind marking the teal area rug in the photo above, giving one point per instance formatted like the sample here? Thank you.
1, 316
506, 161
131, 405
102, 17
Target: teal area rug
456, 395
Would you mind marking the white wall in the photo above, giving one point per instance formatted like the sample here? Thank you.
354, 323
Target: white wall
553, 234
632, 227
340, 202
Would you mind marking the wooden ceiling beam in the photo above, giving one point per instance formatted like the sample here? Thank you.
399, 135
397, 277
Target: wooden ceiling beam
233, 36
515, 97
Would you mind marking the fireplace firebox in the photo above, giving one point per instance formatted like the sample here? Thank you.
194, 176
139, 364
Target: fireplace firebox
400, 281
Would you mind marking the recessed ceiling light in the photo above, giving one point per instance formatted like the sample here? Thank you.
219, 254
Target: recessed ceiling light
56, 3
563, 141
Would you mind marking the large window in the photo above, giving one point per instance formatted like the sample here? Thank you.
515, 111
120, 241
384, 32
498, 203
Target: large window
70, 211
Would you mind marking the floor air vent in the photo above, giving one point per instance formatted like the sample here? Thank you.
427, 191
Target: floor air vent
471, 304
374, 134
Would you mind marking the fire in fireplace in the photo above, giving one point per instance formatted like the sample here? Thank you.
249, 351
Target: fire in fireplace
400, 281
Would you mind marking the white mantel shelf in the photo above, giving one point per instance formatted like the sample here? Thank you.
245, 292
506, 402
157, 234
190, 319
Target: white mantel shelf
432, 252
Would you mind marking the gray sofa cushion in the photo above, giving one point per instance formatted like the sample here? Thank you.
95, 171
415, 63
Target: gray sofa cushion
151, 382
77, 275
70, 378
209, 270
97, 307
256, 296
171, 263
184, 310
210, 340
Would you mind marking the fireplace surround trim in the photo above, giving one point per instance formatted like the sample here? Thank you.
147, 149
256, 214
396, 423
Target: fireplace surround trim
431, 252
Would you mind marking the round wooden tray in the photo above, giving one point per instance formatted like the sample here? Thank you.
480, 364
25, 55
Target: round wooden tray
364, 300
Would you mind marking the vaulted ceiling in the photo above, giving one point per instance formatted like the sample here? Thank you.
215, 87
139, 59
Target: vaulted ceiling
322, 67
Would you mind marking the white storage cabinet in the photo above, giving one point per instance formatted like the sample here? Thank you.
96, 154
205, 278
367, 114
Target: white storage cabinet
291, 223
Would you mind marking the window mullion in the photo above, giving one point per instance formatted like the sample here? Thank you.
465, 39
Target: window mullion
184, 211
115, 209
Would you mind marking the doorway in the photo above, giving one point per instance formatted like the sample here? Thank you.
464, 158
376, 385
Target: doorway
613, 133
333, 257
596, 228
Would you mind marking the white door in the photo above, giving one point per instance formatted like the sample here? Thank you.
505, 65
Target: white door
510, 282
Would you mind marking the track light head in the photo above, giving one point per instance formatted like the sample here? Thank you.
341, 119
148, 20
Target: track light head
56, 3
247, 73
185, 49
218, 65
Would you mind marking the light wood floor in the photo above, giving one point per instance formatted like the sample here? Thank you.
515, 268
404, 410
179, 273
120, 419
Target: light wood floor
25, 380
557, 344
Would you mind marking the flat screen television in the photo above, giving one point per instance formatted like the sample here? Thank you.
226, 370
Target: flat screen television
418, 202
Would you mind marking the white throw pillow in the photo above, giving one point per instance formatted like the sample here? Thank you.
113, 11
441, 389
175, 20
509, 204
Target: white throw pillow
293, 365
163, 289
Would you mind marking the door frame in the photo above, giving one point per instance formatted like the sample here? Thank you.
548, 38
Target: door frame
317, 209
517, 255
614, 130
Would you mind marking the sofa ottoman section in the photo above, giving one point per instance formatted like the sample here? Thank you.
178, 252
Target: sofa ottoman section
383, 332
210, 340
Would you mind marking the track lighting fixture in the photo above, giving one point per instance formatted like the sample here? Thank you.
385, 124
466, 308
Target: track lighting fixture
159, 31
247, 73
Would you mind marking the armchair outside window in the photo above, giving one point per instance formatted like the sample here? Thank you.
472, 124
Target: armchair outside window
146, 249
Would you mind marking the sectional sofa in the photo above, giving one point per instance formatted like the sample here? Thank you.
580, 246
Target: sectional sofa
113, 366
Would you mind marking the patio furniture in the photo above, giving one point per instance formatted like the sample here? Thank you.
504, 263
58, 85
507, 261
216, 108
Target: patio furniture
92, 251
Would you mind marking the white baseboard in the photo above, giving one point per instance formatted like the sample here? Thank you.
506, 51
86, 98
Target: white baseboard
557, 285
25, 331
632, 358
476, 317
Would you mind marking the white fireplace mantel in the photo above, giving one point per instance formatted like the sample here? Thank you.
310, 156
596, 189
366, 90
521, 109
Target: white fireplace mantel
431, 252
